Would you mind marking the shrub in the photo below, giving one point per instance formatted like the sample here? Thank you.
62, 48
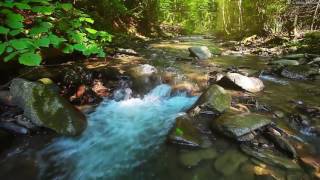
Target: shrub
27, 26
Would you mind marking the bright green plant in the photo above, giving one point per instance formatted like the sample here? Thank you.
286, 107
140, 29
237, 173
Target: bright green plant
27, 26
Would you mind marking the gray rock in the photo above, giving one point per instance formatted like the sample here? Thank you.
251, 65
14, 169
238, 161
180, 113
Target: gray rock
230, 162
235, 126
46, 108
299, 72
235, 80
215, 98
200, 52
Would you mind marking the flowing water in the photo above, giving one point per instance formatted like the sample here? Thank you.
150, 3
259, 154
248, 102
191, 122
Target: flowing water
126, 139
120, 136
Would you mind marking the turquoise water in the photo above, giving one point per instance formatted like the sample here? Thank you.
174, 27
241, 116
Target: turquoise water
120, 136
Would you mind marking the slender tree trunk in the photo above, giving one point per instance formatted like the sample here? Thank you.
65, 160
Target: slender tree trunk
315, 15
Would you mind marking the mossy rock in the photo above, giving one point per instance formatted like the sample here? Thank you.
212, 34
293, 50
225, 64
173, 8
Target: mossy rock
215, 98
185, 133
46, 108
193, 158
235, 126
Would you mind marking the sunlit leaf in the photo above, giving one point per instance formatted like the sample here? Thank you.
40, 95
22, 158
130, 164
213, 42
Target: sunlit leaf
30, 59
66, 6
90, 30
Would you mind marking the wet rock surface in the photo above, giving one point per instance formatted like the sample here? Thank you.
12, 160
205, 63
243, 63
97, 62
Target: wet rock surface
214, 99
200, 52
46, 108
236, 126
238, 81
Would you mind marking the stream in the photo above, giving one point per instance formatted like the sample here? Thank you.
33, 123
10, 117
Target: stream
127, 139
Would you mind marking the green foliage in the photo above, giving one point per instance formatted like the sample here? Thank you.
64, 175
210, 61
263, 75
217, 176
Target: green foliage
28, 26
179, 132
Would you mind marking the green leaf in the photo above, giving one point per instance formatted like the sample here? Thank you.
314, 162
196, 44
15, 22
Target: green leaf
102, 54
15, 32
79, 47
22, 6
2, 48
43, 42
91, 31
88, 20
179, 132
8, 4
9, 49
66, 6
10, 56
55, 40
14, 21
30, 59
47, 10
4, 30
20, 44
39, 29
68, 49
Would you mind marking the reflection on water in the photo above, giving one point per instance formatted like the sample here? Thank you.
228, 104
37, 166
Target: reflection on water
121, 136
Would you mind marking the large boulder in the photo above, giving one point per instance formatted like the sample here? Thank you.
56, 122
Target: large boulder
215, 98
235, 126
200, 52
235, 80
299, 72
46, 108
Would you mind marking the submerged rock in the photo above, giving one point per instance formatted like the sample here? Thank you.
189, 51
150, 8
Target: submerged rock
215, 98
299, 72
270, 158
286, 62
185, 133
193, 158
235, 80
235, 126
200, 52
294, 56
46, 108
230, 162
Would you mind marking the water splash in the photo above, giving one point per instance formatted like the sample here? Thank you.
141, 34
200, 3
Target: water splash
120, 136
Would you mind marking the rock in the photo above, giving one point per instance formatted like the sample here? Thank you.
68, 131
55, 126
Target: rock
5, 98
235, 126
312, 163
235, 80
286, 62
294, 56
200, 52
215, 98
13, 128
283, 143
185, 133
193, 158
127, 52
229, 162
299, 72
46, 108
145, 69
268, 173
270, 158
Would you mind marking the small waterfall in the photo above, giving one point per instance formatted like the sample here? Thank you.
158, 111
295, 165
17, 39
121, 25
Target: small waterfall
120, 136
